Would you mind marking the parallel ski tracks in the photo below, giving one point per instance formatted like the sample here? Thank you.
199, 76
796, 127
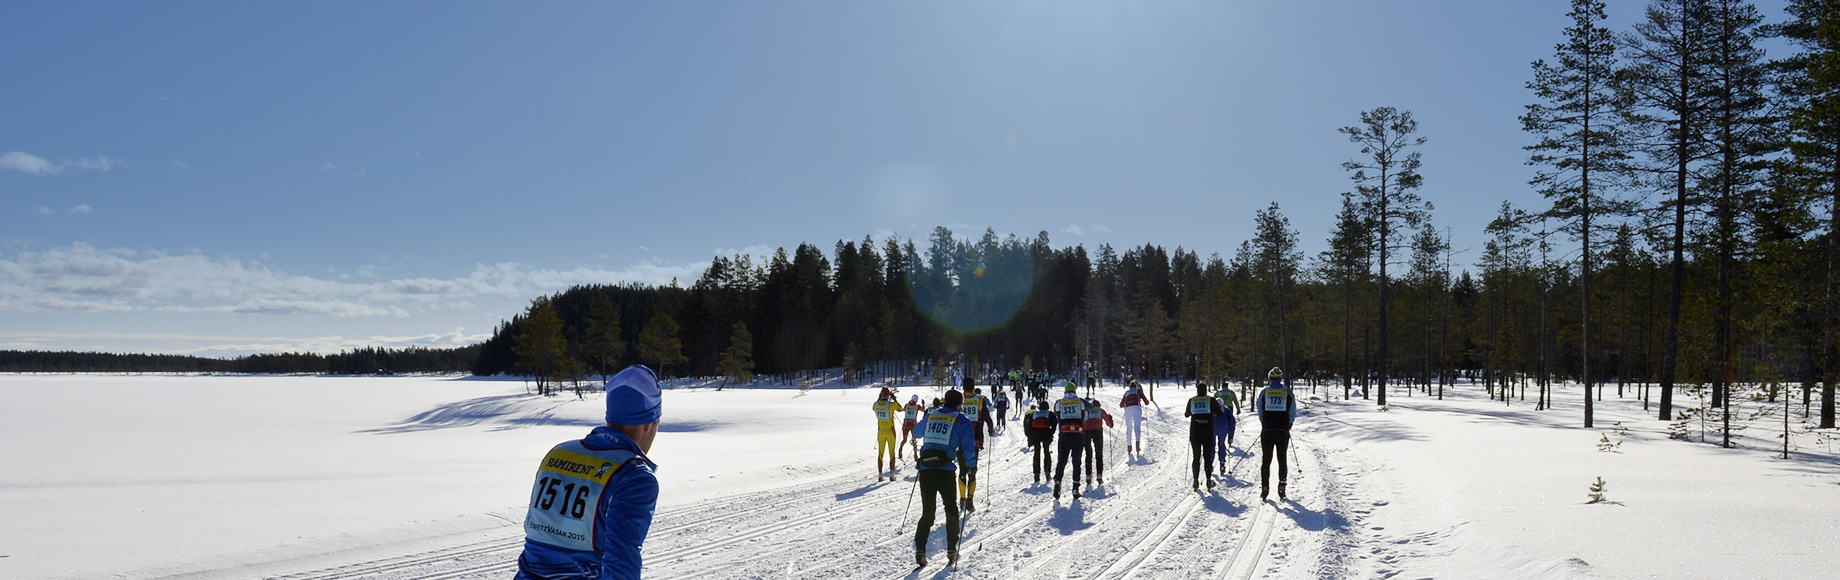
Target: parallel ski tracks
440, 560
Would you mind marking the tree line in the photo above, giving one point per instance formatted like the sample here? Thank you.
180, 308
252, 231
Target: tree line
360, 361
1688, 237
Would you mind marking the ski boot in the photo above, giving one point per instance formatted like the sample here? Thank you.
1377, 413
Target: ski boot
1281, 496
1210, 484
952, 556
1057, 491
919, 560
1264, 493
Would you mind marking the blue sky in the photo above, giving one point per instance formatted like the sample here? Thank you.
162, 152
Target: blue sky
226, 178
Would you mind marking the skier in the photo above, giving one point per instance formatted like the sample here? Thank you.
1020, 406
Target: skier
587, 521
913, 410
1072, 413
948, 441
1277, 408
1133, 403
1002, 405
975, 407
1040, 430
1201, 412
1223, 429
1096, 422
885, 409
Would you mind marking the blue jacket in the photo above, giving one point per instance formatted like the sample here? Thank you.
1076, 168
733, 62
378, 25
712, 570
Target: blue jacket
623, 514
955, 441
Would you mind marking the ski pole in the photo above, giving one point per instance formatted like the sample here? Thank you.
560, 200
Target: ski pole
910, 500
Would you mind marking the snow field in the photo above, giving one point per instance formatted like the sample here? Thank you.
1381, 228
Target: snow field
340, 478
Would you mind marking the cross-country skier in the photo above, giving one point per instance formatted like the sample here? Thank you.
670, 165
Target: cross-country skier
1201, 412
912, 415
1226, 424
1040, 430
885, 409
1001, 401
948, 442
1133, 403
1096, 422
592, 504
1072, 412
977, 409
1277, 408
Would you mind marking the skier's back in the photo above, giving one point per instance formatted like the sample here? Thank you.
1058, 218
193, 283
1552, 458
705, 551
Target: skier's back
947, 436
1277, 409
1201, 411
1072, 414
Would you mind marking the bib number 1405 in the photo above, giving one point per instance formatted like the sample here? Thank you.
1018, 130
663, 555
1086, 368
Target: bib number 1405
572, 500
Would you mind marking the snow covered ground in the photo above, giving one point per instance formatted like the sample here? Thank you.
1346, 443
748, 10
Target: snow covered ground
205, 477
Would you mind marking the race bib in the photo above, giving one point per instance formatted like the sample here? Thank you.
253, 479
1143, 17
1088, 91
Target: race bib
913, 413
882, 414
1276, 400
971, 412
1200, 406
939, 429
564, 501
1072, 408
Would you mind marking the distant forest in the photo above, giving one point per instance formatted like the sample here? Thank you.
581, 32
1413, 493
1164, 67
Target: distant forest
1688, 239
364, 361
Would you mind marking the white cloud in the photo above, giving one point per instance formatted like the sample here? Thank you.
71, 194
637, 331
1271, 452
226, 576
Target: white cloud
1077, 230
32, 164
329, 167
229, 346
180, 164
97, 163
85, 208
42, 210
82, 278
756, 250
27, 163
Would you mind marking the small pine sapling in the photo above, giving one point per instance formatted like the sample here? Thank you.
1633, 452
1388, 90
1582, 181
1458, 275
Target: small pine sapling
1597, 491
1605, 445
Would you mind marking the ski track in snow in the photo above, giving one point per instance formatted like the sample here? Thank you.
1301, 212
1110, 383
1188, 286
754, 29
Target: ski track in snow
1142, 523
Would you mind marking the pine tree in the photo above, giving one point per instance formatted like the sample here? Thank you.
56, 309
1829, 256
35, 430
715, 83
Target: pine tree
1666, 79
1276, 268
1579, 142
1387, 183
600, 345
659, 345
540, 347
738, 359
1344, 264
1811, 87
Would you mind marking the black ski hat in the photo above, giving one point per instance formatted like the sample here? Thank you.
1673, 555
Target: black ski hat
954, 398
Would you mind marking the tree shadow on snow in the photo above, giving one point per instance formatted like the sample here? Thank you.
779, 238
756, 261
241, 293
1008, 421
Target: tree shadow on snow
511, 411
1364, 431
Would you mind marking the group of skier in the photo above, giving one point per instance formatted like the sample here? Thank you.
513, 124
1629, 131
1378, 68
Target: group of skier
949, 434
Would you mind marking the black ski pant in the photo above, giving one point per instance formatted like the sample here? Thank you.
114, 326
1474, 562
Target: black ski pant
1272, 443
1070, 446
937, 485
1095, 454
1201, 451
1043, 460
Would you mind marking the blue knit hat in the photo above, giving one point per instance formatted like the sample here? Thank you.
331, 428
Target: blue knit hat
633, 397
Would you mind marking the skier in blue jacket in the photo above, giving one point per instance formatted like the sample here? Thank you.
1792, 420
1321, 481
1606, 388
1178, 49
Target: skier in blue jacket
948, 441
592, 503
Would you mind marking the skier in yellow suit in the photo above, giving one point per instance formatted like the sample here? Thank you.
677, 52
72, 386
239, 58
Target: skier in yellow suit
886, 407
